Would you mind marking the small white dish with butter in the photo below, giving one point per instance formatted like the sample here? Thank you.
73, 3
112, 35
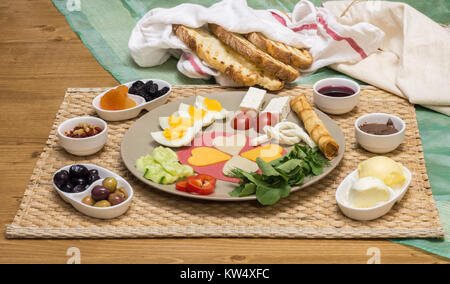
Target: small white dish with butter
373, 189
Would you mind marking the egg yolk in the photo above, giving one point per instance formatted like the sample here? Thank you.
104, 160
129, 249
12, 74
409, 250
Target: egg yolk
175, 121
196, 113
174, 133
213, 105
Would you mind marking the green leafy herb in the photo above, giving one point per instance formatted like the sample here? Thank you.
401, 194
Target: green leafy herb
243, 190
279, 175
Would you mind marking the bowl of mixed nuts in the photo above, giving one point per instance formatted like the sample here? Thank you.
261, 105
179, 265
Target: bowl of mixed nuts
83, 136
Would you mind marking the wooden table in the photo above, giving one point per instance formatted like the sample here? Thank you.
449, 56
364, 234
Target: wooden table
40, 57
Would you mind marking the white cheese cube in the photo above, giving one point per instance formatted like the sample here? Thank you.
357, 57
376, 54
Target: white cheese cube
253, 100
279, 105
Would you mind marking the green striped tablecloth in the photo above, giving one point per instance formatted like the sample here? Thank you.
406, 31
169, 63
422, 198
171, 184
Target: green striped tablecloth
105, 26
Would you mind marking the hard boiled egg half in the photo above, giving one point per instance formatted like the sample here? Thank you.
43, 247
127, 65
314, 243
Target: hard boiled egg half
178, 131
175, 137
211, 106
174, 121
197, 114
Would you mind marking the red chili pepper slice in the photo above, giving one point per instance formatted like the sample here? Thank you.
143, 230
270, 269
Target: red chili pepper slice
182, 186
201, 184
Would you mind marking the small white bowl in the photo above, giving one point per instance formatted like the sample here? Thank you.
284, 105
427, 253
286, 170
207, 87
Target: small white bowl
366, 214
83, 146
380, 144
118, 115
336, 105
75, 199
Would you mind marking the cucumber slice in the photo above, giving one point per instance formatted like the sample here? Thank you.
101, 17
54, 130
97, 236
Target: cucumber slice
162, 166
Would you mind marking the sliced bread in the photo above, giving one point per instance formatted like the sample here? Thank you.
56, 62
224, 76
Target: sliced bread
263, 60
299, 58
225, 59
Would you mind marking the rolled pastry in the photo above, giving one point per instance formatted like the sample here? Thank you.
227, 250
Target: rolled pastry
315, 127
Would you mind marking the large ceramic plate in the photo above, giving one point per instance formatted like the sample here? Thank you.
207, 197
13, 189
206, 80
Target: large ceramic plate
138, 142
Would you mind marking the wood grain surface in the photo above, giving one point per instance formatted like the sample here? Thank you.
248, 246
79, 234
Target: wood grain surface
41, 57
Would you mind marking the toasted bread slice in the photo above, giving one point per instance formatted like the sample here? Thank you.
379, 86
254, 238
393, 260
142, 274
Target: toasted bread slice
300, 58
226, 60
254, 54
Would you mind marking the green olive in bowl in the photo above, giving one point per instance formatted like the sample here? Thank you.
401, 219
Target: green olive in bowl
110, 183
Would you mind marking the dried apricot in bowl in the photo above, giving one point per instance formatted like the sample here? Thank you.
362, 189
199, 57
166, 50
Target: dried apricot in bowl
117, 99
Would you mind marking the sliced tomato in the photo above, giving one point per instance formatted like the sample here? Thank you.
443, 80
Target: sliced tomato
266, 118
201, 184
182, 186
243, 121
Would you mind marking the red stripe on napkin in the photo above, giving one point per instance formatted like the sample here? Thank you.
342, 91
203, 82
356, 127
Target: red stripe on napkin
305, 27
279, 18
337, 37
195, 65
297, 29
329, 31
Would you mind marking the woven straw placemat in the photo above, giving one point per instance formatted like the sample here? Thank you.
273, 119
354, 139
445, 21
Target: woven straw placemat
309, 213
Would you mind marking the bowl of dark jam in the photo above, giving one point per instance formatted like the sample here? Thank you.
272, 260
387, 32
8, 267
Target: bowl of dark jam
336, 95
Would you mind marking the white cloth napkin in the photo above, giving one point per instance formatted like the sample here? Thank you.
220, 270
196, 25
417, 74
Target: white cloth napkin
152, 41
414, 58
